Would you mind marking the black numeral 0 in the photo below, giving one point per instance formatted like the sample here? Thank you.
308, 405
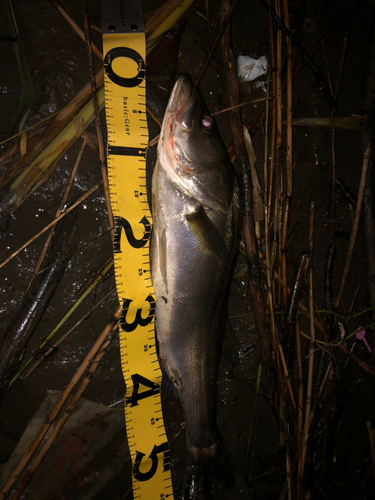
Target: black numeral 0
130, 54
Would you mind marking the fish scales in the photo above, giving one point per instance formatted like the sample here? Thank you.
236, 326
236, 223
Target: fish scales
196, 217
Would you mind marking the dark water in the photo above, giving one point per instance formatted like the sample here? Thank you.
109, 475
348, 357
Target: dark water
57, 63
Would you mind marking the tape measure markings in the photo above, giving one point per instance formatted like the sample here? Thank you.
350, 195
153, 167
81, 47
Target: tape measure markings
127, 140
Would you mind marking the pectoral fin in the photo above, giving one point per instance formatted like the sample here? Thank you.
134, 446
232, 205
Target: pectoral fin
207, 234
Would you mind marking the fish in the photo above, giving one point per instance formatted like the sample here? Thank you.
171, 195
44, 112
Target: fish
196, 211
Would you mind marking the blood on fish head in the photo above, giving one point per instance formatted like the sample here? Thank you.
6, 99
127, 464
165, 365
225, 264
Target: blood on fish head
191, 149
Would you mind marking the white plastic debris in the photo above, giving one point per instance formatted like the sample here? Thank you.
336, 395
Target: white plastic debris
248, 68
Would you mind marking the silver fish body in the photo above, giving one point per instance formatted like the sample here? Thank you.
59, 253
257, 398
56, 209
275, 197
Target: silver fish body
196, 228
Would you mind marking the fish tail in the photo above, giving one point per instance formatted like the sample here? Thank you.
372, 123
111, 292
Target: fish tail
208, 477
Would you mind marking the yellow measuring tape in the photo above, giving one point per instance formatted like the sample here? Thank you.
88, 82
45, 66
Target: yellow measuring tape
125, 107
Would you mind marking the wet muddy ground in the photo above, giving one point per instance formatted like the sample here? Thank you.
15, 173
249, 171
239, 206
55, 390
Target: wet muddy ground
56, 58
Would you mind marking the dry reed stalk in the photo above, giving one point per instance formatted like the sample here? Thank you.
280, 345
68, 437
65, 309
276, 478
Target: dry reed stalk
255, 124
23, 144
44, 176
318, 75
212, 22
98, 125
282, 406
371, 435
257, 188
60, 209
81, 34
332, 212
58, 406
359, 362
272, 160
252, 417
283, 247
246, 191
289, 158
153, 141
278, 231
265, 164
34, 134
299, 490
289, 473
160, 15
270, 281
302, 306
353, 234
94, 363
287, 378
321, 389
278, 156
153, 117
266, 217
59, 121
273, 256
166, 23
324, 55
279, 91
273, 180
328, 406
223, 25
62, 321
329, 334
294, 300
279, 395
311, 350
328, 292
207, 5
91, 280
63, 337
75, 26
289, 106
240, 106
20, 189
268, 199
31, 240
158, 21
344, 49
11, 151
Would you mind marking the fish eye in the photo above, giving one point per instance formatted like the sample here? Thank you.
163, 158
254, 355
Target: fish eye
207, 123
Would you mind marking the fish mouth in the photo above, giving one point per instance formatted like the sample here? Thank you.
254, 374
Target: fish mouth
180, 111
182, 102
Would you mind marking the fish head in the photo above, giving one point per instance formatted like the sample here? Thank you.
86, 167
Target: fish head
191, 150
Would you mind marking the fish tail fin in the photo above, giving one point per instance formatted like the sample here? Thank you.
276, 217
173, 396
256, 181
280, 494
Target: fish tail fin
202, 480
212, 478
